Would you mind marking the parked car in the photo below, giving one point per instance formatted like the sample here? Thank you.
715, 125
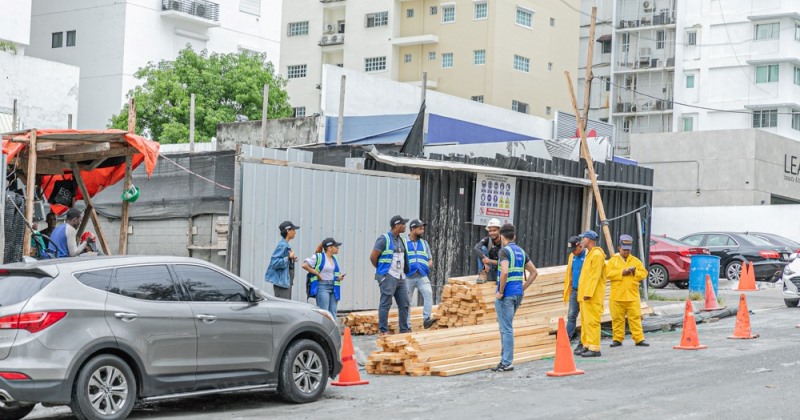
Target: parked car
101, 334
670, 260
736, 248
791, 282
789, 246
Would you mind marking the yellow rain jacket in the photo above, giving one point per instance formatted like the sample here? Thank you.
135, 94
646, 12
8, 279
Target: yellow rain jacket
625, 288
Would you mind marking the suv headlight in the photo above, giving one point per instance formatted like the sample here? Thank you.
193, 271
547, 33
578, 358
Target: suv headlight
325, 313
787, 271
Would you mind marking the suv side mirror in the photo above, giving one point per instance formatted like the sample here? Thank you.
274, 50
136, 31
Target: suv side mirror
252, 296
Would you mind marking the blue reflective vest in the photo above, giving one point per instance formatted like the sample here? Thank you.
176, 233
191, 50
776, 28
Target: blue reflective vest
418, 257
516, 271
385, 259
337, 283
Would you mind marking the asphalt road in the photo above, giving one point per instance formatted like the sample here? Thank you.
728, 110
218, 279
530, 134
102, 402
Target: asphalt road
732, 379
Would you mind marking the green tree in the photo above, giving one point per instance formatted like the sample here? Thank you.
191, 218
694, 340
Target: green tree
224, 85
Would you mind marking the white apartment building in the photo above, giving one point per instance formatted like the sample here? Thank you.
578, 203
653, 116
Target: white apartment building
111, 39
600, 99
508, 54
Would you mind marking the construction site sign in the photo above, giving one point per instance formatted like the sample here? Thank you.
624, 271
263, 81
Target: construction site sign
494, 198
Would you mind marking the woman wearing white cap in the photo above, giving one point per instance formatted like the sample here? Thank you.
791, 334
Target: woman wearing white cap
324, 277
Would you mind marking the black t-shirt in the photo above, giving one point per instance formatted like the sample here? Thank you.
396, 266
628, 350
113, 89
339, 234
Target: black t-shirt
494, 250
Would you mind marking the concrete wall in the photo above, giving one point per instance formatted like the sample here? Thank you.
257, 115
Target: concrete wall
280, 133
46, 91
724, 167
680, 221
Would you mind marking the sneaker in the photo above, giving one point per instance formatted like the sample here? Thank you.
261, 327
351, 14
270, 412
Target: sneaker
590, 353
579, 349
502, 368
616, 343
428, 322
643, 344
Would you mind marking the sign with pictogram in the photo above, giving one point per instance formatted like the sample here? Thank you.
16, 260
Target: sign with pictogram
494, 198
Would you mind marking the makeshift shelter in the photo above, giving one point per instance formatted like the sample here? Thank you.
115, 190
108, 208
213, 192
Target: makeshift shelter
57, 161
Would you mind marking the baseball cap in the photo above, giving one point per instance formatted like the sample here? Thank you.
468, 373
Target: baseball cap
417, 223
626, 242
73, 213
330, 242
287, 225
494, 223
573, 242
397, 220
508, 228
590, 234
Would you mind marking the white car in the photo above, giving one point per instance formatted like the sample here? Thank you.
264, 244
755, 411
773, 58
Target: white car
791, 282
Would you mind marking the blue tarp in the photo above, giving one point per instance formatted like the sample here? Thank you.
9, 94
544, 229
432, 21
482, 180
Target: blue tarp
379, 129
450, 130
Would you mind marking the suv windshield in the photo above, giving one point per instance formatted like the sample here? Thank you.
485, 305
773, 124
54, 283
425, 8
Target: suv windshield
16, 288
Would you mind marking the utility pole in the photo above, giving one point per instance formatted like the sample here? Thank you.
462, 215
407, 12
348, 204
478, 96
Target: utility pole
191, 123
264, 113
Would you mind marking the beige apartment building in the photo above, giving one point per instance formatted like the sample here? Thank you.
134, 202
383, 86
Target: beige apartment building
510, 54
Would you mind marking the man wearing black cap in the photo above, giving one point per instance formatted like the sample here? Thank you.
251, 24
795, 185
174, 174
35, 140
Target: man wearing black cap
389, 259
62, 240
280, 271
419, 267
574, 265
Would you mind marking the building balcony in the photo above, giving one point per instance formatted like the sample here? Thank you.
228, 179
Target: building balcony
202, 12
643, 107
646, 64
648, 18
405, 41
332, 3
331, 39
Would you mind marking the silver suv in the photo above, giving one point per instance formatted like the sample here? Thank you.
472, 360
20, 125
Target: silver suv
101, 334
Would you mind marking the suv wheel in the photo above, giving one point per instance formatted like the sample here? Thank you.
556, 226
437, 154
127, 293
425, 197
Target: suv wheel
104, 389
658, 276
733, 270
15, 411
304, 372
791, 303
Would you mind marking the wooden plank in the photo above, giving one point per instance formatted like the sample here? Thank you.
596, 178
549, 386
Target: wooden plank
91, 137
123, 227
84, 149
30, 192
46, 166
115, 151
45, 147
90, 208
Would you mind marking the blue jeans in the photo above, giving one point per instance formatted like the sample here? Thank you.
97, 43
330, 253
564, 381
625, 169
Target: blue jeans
423, 285
572, 314
392, 287
492, 274
325, 297
506, 308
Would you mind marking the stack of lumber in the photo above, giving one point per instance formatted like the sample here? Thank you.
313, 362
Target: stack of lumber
456, 351
366, 322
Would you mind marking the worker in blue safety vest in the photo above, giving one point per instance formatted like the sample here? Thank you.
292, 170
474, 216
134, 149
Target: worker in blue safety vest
388, 256
419, 268
325, 280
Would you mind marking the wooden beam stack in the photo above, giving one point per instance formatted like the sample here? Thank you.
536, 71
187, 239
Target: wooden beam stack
366, 322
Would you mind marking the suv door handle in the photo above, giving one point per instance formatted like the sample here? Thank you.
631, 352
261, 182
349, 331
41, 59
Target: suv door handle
125, 316
206, 318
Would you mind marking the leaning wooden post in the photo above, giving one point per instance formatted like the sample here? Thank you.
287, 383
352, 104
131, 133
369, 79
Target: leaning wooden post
30, 193
76, 173
123, 223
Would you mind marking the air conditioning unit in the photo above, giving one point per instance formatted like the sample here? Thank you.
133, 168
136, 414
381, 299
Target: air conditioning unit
648, 6
660, 63
329, 29
644, 52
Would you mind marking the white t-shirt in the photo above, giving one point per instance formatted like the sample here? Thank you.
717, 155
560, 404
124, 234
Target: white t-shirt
326, 274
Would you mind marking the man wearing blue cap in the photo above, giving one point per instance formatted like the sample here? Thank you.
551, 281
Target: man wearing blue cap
571, 282
625, 272
591, 291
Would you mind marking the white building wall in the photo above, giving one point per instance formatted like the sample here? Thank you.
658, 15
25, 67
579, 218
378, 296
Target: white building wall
15, 23
600, 100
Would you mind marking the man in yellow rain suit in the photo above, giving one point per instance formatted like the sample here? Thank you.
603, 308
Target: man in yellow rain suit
625, 272
591, 291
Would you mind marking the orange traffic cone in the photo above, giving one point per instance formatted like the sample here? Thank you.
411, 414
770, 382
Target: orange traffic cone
564, 364
349, 375
711, 298
747, 279
689, 339
742, 328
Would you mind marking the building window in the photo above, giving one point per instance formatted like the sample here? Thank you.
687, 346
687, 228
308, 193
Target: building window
434, 10
296, 71
409, 13
524, 17
626, 125
375, 64
251, 7
796, 120
765, 118
688, 124
767, 73
519, 106
768, 31
553, 22
690, 81
432, 56
298, 28
608, 85
71, 38
691, 38
478, 98
479, 57
522, 64
448, 14
797, 75
377, 19
299, 112
661, 39
797, 32
447, 60
550, 66
481, 10
548, 110
626, 42
605, 47
407, 58
57, 40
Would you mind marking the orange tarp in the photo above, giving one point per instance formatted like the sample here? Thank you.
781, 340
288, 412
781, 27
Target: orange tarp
98, 179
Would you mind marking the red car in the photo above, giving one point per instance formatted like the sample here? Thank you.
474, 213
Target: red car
669, 261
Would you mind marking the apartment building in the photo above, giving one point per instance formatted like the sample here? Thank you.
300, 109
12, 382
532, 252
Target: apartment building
600, 99
508, 54
111, 39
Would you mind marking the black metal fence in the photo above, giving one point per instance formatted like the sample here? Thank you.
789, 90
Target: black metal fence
546, 212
